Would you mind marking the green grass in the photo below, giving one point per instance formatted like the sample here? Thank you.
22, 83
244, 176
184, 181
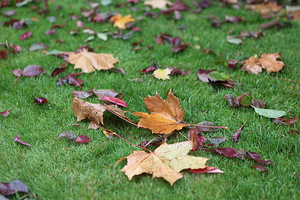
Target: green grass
65, 170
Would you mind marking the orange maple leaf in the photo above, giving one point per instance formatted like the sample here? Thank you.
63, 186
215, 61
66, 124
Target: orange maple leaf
88, 61
165, 117
120, 21
166, 161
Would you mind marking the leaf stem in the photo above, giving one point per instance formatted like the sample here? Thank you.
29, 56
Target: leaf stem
132, 143
223, 127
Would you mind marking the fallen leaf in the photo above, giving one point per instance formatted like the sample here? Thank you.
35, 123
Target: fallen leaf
244, 100
162, 74
3, 54
207, 170
285, 121
17, 48
82, 94
154, 142
50, 32
257, 158
160, 4
269, 113
17, 139
83, 139
25, 35
165, 117
215, 78
265, 8
115, 101
69, 135
100, 93
121, 22
217, 140
151, 68
88, 61
40, 100
75, 81
234, 40
166, 162
13, 187
177, 71
260, 168
237, 134
266, 61
5, 113
57, 71
208, 129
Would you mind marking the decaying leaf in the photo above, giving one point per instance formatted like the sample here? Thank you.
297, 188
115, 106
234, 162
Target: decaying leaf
166, 161
13, 187
215, 78
217, 140
121, 22
266, 61
162, 74
165, 117
285, 121
88, 61
237, 134
260, 168
69, 135
244, 100
160, 4
265, 8
40, 100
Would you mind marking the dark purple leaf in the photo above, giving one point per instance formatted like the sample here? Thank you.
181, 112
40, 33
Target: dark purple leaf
151, 68
208, 51
154, 15
57, 71
83, 139
232, 63
16, 139
204, 74
17, 72
3, 54
20, 24
50, 32
144, 143
237, 134
182, 27
38, 46
33, 70
25, 35
59, 25
180, 47
233, 19
176, 6
228, 152
177, 71
257, 158
5, 113
69, 135
197, 140
16, 48
260, 168
285, 121
75, 81
10, 22
13, 187
40, 100
257, 102
82, 94
206, 170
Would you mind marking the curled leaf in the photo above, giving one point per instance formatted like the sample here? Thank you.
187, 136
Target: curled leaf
69, 135
17, 139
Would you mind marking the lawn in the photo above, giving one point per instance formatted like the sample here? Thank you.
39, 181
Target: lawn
61, 169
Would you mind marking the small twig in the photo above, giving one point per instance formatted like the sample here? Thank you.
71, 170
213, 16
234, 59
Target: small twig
15, 81
132, 143
223, 127
287, 80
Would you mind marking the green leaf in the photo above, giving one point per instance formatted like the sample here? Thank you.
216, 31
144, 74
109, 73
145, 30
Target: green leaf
102, 36
234, 41
219, 76
269, 113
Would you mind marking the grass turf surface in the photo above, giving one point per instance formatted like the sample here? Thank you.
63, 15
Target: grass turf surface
65, 170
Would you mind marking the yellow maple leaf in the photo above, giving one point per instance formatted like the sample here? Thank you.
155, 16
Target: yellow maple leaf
160, 4
88, 61
165, 117
121, 22
162, 73
166, 161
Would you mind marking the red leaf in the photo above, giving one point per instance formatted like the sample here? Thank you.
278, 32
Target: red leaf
50, 32
83, 139
59, 26
16, 139
57, 71
136, 29
5, 113
13, 187
228, 152
236, 135
285, 121
75, 81
40, 100
17, 72
80, 24
206, 170
16, 48
232, 63
3, 54
257, 158
115, 101
151, 68
260, 168
33, 70
25, 35
177, 71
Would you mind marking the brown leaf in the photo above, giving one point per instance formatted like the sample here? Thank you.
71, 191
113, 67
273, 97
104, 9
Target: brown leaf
266, 61
166, 162
265, 8
165, 117
285, 121
88, 61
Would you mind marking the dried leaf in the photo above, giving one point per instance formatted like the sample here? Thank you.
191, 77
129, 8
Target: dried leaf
17, 139
207, 170
40, 100
257, 158
82, 94
165, 117
260, 168
160, 4
162, 74
83, 139
207, 129
166, 162
237, 134
269, 113
121, 22
217, 140
265, 8
13, 187
87, 61
69, 135
5, 113
285, 121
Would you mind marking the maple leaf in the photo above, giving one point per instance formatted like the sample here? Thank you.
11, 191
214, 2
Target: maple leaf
160, 4
166, 161
162, 73
266, 61
88, 61
122, 21
165, 117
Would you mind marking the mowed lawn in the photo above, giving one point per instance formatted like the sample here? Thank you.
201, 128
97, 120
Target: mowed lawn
61, 169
